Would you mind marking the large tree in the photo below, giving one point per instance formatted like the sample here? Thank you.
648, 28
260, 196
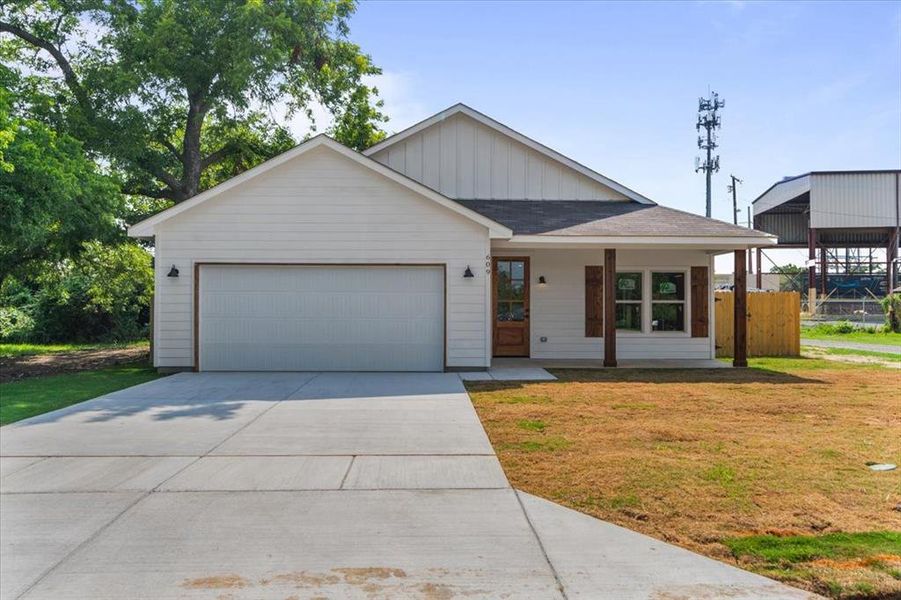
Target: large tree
177, 94
53, 198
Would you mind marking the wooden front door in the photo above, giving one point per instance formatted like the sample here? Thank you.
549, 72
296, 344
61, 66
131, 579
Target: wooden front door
510, 278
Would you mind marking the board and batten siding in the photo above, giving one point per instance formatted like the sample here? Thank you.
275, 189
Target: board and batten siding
322, 208
462, 158
557, 310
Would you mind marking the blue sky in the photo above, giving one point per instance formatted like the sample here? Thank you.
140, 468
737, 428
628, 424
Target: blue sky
808, 86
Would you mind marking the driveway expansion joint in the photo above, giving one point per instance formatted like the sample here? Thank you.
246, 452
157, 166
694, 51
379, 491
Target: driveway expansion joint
350, 465
82, 545
547, 559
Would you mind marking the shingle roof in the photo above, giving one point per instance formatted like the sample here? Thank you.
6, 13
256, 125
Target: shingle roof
601, 218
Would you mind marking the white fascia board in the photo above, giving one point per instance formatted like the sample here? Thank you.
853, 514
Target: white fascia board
724, 243
146, 228
511, 133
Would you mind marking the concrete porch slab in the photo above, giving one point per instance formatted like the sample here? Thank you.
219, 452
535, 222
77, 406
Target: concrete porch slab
599, 364
425, 472
509, 373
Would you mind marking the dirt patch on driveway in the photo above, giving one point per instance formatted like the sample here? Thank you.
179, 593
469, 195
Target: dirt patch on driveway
21, 367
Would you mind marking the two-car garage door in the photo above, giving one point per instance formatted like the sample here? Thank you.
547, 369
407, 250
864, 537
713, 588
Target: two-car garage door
321, 318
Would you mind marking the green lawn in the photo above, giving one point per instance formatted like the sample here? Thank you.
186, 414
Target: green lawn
16, 350
869, 335
34, 396
805, 548
853, 352
851, 565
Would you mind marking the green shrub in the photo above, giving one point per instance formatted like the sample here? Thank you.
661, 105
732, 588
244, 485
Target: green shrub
843, 327
16, 325
102, 295
891, 305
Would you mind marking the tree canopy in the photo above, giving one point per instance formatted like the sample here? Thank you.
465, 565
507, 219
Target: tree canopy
177, 95
52, 197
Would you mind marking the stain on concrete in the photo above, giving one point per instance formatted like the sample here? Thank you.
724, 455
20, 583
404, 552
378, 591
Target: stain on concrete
362, 575
216, 582
375, 583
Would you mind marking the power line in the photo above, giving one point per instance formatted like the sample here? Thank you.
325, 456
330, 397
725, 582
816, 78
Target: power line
709, 120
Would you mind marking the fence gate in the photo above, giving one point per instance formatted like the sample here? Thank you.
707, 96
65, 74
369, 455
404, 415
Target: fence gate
774, 323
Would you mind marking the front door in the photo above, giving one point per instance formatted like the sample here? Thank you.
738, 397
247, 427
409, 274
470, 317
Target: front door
511, 306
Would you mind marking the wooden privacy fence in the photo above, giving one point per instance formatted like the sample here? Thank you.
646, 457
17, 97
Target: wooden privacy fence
774, 323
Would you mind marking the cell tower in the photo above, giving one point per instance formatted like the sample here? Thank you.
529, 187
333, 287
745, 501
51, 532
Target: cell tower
709, 120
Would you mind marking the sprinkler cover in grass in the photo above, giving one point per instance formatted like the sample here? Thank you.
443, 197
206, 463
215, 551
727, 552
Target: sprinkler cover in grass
882, 467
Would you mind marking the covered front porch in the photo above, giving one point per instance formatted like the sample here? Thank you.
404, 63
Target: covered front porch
577, 304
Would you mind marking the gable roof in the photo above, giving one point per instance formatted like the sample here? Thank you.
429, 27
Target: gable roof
601, 218
146, 227
484, 119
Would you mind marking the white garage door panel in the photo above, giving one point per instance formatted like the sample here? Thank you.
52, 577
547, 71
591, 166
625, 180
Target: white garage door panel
287, 318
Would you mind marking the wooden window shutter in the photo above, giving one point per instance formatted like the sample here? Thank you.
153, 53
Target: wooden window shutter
594, 301
700, 302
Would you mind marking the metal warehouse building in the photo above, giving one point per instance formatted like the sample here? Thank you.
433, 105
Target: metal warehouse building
849, 222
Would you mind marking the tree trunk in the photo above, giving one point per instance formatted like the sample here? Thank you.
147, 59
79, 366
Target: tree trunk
191, 158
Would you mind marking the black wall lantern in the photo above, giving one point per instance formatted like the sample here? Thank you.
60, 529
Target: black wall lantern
467, 274
173, 272
542, 281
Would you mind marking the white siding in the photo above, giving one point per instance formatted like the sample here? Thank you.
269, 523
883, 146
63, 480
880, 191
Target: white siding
558, 310
321, 208
462, 158
854, 200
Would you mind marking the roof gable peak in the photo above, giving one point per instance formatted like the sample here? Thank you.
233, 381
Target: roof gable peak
483, 119
147, 227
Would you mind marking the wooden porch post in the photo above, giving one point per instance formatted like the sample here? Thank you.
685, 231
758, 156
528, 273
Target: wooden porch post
760, 268
609, 307
740, 318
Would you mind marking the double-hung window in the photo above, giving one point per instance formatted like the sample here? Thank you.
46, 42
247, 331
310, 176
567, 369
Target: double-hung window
667, 301
628, 301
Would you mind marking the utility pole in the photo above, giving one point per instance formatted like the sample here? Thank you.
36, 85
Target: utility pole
731, 187
709, 120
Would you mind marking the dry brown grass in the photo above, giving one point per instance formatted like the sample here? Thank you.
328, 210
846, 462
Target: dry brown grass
694, 457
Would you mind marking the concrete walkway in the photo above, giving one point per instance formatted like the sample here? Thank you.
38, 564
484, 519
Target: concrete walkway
887, 348
303, 485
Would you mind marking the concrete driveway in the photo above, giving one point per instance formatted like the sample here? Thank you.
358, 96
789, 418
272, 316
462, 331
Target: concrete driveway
305, 485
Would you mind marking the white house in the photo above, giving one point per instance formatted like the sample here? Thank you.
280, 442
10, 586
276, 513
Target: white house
453, 242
